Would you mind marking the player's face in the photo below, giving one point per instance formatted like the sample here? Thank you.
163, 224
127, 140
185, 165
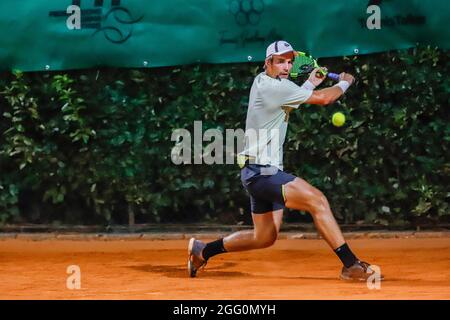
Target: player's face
280, 66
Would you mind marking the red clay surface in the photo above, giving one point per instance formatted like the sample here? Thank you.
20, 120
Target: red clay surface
155, 269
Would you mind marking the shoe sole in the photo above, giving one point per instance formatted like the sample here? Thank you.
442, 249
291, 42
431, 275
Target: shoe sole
356, 279
190, 265
352, 279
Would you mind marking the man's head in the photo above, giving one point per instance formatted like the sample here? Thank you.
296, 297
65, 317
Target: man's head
279, 58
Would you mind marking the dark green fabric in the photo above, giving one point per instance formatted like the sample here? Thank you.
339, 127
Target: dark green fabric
134, 33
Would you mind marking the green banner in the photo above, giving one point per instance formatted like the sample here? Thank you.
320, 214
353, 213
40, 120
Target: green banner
70, 34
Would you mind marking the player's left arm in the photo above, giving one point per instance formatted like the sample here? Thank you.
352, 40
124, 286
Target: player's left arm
331, 94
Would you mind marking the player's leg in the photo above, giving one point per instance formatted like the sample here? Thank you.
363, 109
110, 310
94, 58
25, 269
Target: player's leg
264, 234
300, 195
266, 226
267, 217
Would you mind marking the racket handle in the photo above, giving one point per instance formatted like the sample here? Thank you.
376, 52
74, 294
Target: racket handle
333, 76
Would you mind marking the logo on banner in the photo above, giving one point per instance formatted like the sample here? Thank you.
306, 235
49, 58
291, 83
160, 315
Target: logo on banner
246, 12
247, 15
375, 21
115, 22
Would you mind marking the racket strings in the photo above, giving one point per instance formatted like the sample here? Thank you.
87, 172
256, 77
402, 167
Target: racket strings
304, 63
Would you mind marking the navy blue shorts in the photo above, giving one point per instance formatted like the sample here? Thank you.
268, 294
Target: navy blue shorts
264, 184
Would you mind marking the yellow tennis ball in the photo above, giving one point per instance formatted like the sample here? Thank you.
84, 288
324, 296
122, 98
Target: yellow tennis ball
338, 119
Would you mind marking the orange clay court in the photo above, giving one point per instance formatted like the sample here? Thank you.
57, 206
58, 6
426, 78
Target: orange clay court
414, 268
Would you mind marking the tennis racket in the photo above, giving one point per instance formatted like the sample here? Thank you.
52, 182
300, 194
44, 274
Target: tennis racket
305, 64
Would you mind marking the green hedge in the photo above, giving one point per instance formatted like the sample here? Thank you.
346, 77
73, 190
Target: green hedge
92, 146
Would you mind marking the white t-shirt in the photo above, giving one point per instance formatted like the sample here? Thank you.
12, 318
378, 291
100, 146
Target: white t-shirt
270, 102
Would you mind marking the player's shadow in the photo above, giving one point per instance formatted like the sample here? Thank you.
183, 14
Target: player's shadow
180, 271
310, 278
394, 281
218, 271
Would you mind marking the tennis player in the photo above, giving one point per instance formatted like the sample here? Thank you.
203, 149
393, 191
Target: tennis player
272, 97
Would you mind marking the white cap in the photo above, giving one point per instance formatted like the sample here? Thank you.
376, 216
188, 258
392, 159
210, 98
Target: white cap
278, 48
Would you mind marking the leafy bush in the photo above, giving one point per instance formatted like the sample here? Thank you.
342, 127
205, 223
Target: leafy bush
93, 146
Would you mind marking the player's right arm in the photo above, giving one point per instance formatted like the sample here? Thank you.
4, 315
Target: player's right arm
331, 94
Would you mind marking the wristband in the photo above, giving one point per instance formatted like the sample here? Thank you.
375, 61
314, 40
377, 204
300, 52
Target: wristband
344, 85
308, 85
